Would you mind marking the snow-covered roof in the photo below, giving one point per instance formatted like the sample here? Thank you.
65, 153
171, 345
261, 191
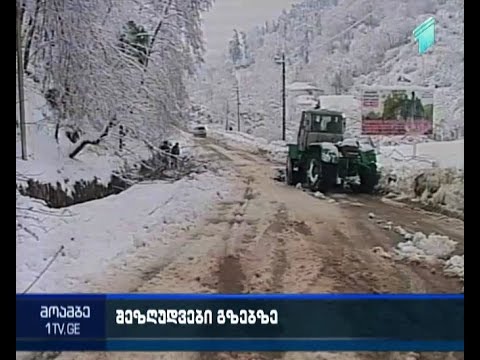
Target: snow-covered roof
396, 87
301, 86
323, 111
305, 100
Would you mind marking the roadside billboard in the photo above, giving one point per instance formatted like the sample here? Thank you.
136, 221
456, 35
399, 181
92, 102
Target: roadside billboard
397, 110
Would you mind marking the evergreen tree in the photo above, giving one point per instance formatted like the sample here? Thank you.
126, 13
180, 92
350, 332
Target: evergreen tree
135, 41
305, 47
235, 49
247, 57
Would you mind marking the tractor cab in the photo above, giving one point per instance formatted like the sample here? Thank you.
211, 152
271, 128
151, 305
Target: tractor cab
320, 126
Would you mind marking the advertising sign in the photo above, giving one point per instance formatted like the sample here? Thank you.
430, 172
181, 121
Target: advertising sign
397, 110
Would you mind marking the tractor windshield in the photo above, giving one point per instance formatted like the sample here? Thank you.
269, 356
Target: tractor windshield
327, 123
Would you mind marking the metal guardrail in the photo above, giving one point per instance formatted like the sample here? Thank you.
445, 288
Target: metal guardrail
399, 156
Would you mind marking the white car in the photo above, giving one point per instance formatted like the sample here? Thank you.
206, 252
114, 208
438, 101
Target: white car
199, 131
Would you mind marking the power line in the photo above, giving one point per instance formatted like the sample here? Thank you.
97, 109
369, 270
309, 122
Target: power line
358, 22
344, 31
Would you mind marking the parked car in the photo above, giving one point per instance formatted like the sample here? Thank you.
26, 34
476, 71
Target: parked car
200, 131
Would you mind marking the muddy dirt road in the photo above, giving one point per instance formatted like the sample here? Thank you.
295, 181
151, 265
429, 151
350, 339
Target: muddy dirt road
274, 238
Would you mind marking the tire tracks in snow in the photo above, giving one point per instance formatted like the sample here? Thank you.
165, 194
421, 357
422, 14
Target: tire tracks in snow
233, 274
277, 239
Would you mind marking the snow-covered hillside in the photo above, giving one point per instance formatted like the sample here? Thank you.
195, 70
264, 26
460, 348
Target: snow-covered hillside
338, 46
48, 159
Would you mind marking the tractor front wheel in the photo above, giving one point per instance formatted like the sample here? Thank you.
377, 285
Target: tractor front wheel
321, 176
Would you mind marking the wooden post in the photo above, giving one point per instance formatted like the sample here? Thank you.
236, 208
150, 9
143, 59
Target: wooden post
238, 106
284, 105
226, 117
21, 94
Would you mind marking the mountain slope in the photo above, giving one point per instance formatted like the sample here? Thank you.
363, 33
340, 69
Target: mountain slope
339, 45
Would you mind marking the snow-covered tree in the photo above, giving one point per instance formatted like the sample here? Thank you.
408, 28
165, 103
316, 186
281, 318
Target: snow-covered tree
106, 62
135, 41
247, 57
235, 48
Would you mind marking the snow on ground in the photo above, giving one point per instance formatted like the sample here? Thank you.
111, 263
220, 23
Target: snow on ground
419, 247
455, 266
422, 246
48, 161
434, 249
447, 154
99, 233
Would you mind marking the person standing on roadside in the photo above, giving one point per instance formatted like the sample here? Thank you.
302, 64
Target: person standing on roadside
176, 154
165, 153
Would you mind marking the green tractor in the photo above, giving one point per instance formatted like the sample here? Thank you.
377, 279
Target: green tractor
322, 159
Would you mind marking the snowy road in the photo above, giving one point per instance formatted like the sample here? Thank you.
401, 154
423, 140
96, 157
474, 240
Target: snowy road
267, 237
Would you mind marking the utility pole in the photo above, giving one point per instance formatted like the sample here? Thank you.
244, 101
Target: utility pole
226, 117
413, 110
281, 60
423, 71
284, 105
238, 106
414, 128
21, 95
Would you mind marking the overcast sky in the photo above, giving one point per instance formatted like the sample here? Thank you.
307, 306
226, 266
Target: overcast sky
226, 15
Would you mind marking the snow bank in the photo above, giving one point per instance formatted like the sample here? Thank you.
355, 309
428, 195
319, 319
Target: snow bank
432, 247
418, 247
446, 154
99, 233
431, 172
455, 266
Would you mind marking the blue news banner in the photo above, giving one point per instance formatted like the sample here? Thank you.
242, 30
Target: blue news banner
180, 322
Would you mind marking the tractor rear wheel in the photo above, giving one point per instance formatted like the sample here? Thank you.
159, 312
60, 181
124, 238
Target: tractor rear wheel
289, 172
289, 178
367, 183
329, 178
